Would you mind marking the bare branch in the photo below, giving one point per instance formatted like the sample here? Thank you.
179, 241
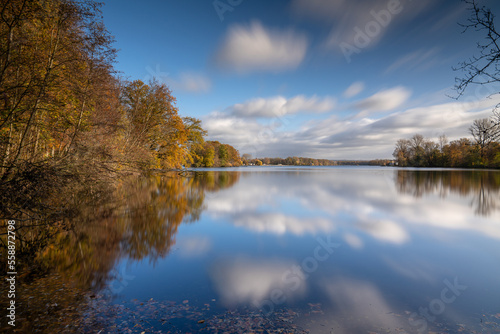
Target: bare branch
482, 69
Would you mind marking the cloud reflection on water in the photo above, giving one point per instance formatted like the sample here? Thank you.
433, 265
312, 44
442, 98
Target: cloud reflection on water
241, 280
365, 203
402, 237
278, 223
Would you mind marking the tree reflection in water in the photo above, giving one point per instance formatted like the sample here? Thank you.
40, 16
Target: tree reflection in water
482, 186
140, 220
142, 224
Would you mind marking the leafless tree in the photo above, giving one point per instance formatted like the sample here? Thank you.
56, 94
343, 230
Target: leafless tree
484, 132
496, 121
417, 141
402, 152
484, 68
443, 140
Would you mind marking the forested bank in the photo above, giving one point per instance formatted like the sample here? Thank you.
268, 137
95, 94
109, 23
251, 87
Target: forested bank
480, 151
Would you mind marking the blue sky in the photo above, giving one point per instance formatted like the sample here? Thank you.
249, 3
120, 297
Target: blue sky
334, 79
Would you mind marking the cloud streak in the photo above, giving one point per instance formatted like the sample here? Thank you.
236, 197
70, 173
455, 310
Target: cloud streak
416, 60
255, 48
385, 100
354, 89
279, 106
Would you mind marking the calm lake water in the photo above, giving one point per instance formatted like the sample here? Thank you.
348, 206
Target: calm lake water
329, 250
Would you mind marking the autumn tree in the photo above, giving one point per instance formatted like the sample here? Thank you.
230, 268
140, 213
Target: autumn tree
208, 157
53, 58
223, 155
421, 152
431, 153
216, 154
402, 152
154, 124
195, 139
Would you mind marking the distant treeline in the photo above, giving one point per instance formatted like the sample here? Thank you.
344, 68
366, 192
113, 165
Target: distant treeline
299, 161
482, 151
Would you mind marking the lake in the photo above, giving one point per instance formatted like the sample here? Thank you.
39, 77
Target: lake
299, 249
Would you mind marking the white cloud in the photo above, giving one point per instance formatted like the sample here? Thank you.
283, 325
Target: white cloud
353, 240
354, 89
231, 129
190, 82
256, 48
385, 100
280, 106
